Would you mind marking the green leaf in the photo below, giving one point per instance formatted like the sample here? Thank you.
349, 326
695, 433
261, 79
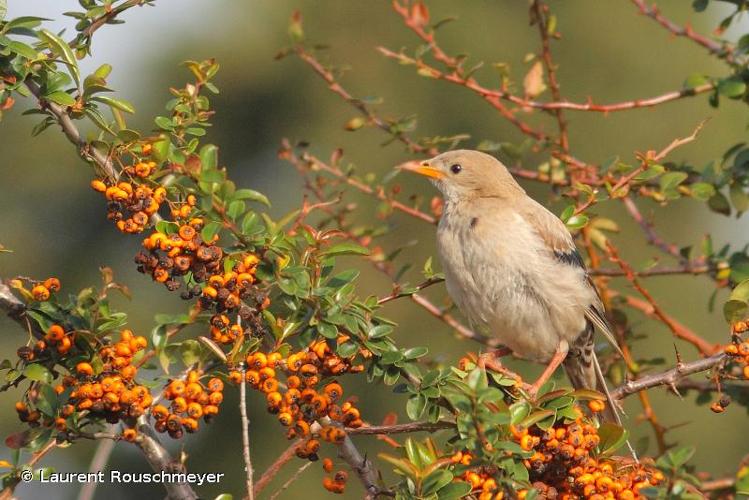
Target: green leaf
671, 180
37, 373
61, 98
3, 9
347, 349
210, 230
252, 195
577, 221
435, 481
209, 156
612, 437
732, 87
415, 406
120, 104
719, 203
454, 491
22, 49
415, 352
519, 411
702, 190
345, 248
695, 80
379, 331
739, 198
63, 50
163, 123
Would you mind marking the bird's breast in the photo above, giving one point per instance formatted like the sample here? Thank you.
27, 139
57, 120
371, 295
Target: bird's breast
498, 272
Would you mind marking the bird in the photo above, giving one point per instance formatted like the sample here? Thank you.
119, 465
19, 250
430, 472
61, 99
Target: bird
512, 268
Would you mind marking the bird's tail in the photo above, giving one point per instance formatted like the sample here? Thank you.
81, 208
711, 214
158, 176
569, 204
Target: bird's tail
585, 372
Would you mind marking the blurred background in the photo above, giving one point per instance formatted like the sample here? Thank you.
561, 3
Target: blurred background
55, 223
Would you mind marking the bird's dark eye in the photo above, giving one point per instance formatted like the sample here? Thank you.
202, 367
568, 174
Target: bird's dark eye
456, 169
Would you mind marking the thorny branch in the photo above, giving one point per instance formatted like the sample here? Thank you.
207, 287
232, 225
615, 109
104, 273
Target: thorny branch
669, 378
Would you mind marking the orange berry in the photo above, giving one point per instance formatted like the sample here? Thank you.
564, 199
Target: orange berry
327, 465
84, 368
215, 385
160, 412
596, 406
129, 435
52, 284
40, 293
55, 333
98, 185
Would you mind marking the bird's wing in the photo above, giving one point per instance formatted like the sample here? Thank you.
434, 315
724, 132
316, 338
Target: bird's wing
559, 241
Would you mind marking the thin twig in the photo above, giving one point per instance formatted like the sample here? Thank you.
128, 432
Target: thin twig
401, 428
98, 463
246, 435
284, 458
652, 308
722, 50
293, 478
540, 13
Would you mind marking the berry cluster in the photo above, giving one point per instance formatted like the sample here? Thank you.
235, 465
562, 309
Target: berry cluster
131, 204
170, 256
564, 464
738, 350
40, 290
190, 400
307, 395
225, 291
54, 337
335, 483
112, 393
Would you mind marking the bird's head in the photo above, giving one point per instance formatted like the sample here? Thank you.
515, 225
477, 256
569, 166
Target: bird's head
465, 174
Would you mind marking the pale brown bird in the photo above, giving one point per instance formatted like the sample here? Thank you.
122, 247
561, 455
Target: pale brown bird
512, 268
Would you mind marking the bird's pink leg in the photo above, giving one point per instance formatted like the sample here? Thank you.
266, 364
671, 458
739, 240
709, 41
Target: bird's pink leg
556, 360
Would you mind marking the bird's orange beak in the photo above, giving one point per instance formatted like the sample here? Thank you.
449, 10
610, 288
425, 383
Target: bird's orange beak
423, 168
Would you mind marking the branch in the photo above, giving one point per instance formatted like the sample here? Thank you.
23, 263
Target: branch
721, 50
308, 162
160, 460
246, 435
362, 466
670, 377
539, 13
651, 307
679, 330
284, 458
401, 428
85, 150
371, 117
293, 478
107, 17
98, 463
15, 309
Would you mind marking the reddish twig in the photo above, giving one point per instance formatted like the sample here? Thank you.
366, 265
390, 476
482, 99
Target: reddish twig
678, 329
722, 50
284, 458
539, 14
371, 117
401, 428
651, 307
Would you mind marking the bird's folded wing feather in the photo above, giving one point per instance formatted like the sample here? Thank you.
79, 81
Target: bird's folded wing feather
559, 241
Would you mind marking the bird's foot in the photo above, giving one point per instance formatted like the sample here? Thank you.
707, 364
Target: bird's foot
491, 361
